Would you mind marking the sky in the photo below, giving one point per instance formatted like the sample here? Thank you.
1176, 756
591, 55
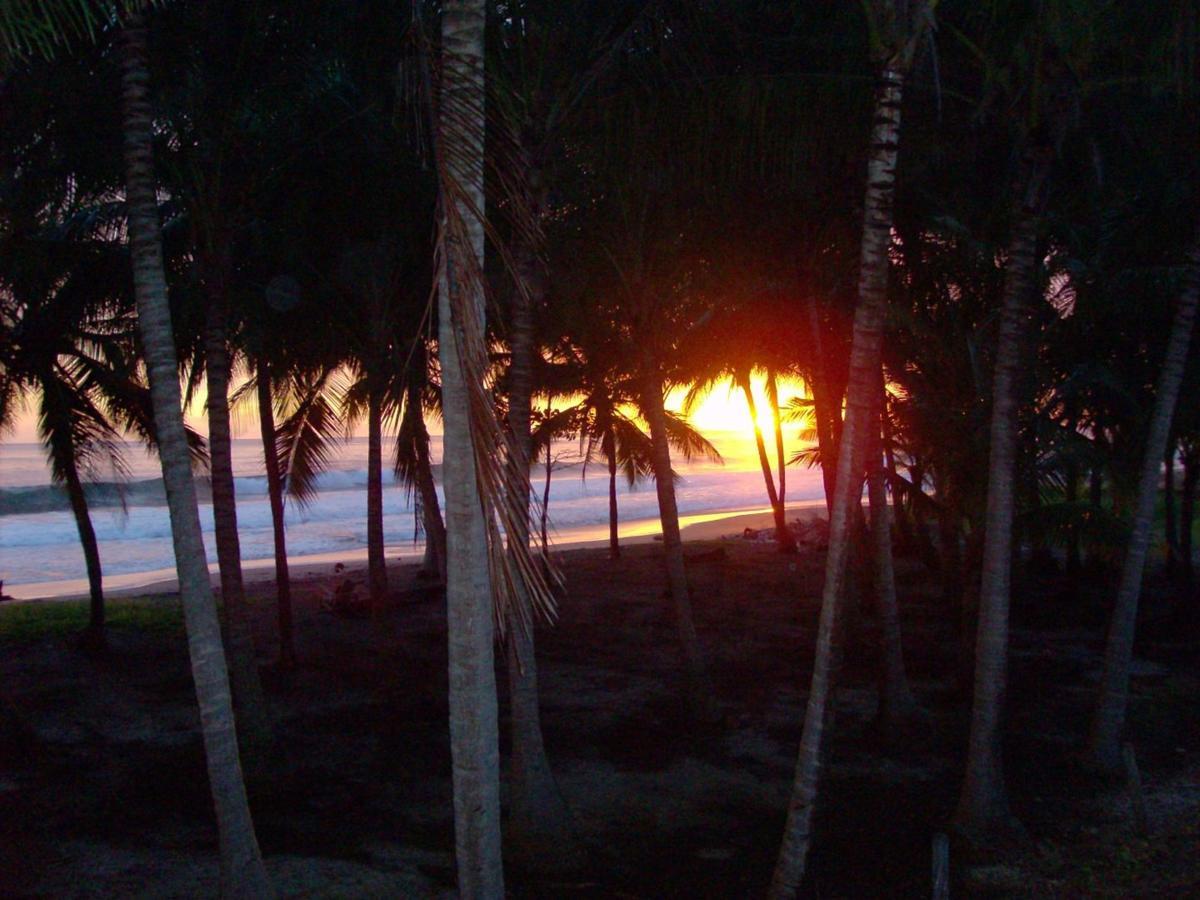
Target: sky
722, 415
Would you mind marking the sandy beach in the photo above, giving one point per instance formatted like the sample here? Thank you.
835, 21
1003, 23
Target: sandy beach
705, 526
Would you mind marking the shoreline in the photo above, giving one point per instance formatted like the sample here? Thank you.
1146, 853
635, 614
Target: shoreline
701, 526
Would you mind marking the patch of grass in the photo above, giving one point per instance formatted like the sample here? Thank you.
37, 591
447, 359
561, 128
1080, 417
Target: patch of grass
26, 622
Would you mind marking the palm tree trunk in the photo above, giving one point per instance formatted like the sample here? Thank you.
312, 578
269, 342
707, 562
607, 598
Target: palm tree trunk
861, 404
431, 513
540, 835
243, 667
983, 803
283, 581
474, 726
377, 579
821, 411
242, 871
93, 637
664, 482
610, 452
783, 535
777, 421
1108, 722
896, 703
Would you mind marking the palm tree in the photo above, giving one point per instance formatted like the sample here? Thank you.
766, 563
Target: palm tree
474, 726
1108, 722
896, 32
70, 343
242, 872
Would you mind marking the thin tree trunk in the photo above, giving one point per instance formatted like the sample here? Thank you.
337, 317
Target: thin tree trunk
1108, 723
610, 452
783, 535
821, 412
540, 835
699, 694
900, 517
431, 513
474, 726
777, 421
983, 803
896, 703
243, 666
93, 636
283, 581
242, 871
861, 406
377, 578
546, 499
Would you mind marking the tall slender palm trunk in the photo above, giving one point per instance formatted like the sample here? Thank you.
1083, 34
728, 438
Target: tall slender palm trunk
610, 452
772, 384
283, 580
539, 834
896, 703
861, 405
783, 535
821, 412
93, 636
431, 512
1108, 722
377, 579
243, 667
242, 871
699, 694
983, 803
474, 725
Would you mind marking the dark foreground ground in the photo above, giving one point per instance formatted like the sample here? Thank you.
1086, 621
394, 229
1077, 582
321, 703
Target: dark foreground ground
103, 793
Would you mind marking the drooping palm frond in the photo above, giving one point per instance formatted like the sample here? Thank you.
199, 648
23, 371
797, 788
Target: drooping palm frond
521, 584
43, 27
310, 426
686, 440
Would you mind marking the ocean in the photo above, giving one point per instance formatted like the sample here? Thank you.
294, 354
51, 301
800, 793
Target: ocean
39, 545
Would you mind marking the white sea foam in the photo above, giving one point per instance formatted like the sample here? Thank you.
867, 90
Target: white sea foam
44, 546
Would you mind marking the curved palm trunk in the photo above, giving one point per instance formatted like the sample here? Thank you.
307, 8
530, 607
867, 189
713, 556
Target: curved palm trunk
242, 872
983, 803
94, 634
377, 580
777, 422
896, 703
474, 726
1109, 720
610, 452
783, 535
699, 694
861, 404
283, 581
431, 512
243, 667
